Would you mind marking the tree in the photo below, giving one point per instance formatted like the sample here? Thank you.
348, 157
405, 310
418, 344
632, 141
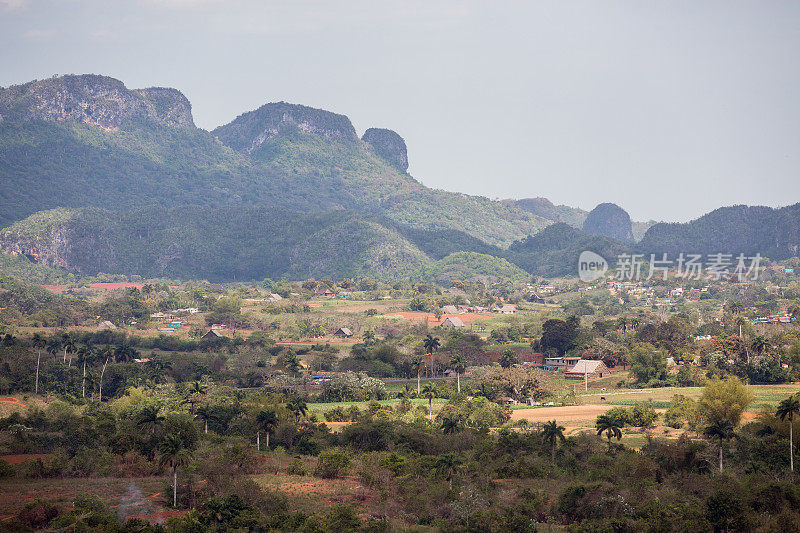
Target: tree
416, 363
148, 417
786, 410
608, 425
173, 454
206, 413
429, 392
267, 420
68, 344
508, 359
84, 355
108, 352
450, 425
724, 400
720, 429
368, 337
298, 406
39, 344
194, 395
458, 364
760, 344
552, 433
447, 465
431, 344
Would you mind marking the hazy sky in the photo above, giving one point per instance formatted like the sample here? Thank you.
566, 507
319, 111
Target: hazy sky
669, 109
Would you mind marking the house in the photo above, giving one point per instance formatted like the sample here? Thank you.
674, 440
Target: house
175, 324
105, 324
274, 297
450, 310
507, 309
212, 334
344, 333
535, 298
452, 322
587, 368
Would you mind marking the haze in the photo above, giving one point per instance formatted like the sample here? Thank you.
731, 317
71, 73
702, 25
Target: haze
669, 109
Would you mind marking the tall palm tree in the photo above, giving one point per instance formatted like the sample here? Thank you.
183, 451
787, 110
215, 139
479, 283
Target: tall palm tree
369, 337
68, 344
429, 392
194, 395
149, 417
458, 364
416, 363
39, 344
552, 433
298, 406
84, 355
266, 419
447, 465
787, 409
205, 413
450, 425
722, 430
760, 344
107, 353
174, 454
431, 344
610, 426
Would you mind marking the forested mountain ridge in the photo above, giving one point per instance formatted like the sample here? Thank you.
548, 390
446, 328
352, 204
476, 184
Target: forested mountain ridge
774, 233
78, 141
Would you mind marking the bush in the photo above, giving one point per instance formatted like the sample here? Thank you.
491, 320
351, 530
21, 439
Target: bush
337, 414
643, 415
332, 462
38, 514
296, 467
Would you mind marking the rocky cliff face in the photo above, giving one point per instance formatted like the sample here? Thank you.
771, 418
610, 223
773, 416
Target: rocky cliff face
91, 99
57, 238
609, 220
250, 130
389, 145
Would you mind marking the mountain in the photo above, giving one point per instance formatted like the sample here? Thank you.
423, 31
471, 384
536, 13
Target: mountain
544, 208
739, 229
88, 141
554, 251
609, 220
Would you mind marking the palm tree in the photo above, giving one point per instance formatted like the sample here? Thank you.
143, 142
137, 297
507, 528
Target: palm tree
68, 344
552, 433
447, 464
124, 353
205, 413
722, 430
431, 344
429, 392
267, 420
610, 426
194, 395
39, 344
149, 417
369, 337
760, 344
787, 409
84, 354
450, 425
298, 406
458, 364
173, 454
417, 364
108, 352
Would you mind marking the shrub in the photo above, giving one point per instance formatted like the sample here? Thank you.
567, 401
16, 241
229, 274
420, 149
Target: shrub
38, 514
337, 414
332, 462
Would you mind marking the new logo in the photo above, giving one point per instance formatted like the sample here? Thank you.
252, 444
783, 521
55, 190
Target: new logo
591, 266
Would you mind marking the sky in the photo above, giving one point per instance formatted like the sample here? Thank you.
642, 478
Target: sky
669, 109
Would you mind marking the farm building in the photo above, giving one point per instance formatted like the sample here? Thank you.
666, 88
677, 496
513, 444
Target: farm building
588, 368
452, 322
343, 333
212, 334
507, 309
450, 310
